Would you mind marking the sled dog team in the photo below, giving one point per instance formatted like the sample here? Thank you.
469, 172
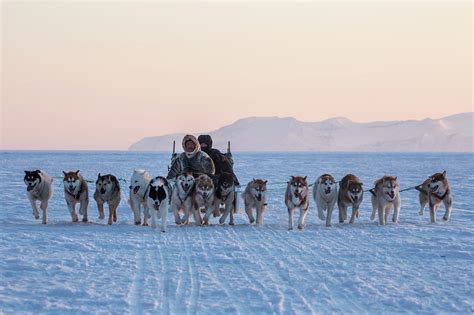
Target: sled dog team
200, 195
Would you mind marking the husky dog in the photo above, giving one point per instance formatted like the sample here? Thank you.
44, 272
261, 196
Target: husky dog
107, 190
158, 197
225, 194
181, 198
76, 191
435, 190
138, 186
39, 187
255, 197
386, 195
203, 197
350, 193
325, 196
297, 196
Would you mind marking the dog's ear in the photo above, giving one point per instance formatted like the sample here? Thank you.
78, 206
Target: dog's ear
444, 173
292, 178
98, 176
265, 181
304, 178
64, 173
396, 177
253, 179
77, 172
37, 171
26, 172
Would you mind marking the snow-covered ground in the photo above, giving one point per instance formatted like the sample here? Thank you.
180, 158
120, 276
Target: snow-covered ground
412, 266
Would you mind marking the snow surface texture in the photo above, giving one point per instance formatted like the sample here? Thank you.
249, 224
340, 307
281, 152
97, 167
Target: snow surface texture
449, 134
63, 267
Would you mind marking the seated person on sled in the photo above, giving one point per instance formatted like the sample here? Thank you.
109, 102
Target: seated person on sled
223, 162
192, 159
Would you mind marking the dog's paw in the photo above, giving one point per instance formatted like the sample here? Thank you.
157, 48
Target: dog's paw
221, 221
178, 222
300, 226
328, 225
420, 213
36, 216
445, 218
85, 220
145, 224
138, 222
290, 229
110, 222
321, 216
101, 216
251, 221
231, 223
75, 219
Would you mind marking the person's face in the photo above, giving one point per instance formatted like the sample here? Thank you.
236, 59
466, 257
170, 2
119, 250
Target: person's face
190, 146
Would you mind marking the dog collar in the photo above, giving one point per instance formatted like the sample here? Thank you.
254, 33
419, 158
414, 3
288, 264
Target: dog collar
441, 197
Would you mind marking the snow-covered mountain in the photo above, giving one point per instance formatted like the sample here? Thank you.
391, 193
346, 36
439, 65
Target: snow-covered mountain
453, 133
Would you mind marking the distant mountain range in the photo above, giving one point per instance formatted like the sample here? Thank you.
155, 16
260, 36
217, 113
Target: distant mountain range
450, 134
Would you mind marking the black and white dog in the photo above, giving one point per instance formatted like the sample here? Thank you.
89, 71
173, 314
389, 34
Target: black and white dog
158, 198
39, 187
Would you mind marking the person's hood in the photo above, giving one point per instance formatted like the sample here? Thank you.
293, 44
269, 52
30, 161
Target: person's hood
196, 143
207, 140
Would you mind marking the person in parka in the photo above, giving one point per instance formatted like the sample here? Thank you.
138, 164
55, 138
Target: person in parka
192, 159
222, 161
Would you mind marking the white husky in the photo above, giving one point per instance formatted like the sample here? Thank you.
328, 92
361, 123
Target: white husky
39, 187
325, 196
158, 198
138, 186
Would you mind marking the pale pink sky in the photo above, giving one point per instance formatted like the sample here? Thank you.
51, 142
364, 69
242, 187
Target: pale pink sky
102, 75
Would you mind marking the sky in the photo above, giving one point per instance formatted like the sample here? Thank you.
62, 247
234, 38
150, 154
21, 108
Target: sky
89, 75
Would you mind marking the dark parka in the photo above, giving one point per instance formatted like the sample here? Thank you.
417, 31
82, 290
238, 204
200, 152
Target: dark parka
197, 161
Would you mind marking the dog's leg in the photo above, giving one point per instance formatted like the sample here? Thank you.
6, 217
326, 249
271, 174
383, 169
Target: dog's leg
342, 212
396, 212
423, 203
448, 203
374, 208
249, 211
302, 218
433, 210
35, 208
386, 212
187, 214
208, 213
320, 211
381, 215
135, 205
354, 214
146, 213
226, 212
260, 210
44, 207
164, 218
197, 216
72, 210
232, 211
329, 215
112, 209
177, 218
290, 218
83, 209
100, 206
154, 218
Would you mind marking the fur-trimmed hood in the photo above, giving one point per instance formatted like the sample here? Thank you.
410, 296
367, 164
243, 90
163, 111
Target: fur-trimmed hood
197, 147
